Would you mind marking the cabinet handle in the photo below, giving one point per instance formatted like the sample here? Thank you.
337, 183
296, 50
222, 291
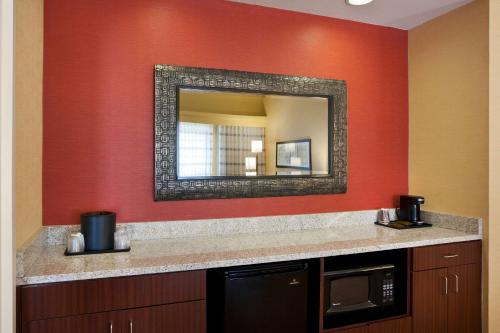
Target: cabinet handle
446, 285
456, 282
449, 256
111, 327
131, 325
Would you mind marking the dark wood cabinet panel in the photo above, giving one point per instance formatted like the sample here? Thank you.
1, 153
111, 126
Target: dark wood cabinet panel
107, 322
402, 325
447, 299
446, 255
187, 317
360, 329
464, 299
102, 295
430, 301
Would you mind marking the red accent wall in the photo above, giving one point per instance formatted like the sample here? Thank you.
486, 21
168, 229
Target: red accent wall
98, 100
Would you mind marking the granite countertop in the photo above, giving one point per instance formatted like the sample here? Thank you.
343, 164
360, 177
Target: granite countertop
189, 245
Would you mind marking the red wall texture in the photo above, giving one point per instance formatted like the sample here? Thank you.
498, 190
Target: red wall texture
98, 100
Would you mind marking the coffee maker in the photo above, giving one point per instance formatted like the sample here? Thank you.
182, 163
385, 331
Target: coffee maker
409, 208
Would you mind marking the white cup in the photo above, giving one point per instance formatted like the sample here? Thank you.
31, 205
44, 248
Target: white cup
384, 216
76, 243
122, 242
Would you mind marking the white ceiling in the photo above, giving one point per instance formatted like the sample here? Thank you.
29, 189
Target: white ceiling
401, 14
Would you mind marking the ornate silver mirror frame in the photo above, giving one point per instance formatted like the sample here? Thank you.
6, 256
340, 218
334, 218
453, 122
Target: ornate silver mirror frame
168, 81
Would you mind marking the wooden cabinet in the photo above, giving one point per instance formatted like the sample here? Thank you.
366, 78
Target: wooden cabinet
101, 295
402, 325
446, 288
160, 303
429, 301
176, 318
398, 325
362, 329
464, 299
447, 255
186, 317
94, 323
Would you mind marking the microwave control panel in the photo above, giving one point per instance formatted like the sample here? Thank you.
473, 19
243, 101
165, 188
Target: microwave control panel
388, 289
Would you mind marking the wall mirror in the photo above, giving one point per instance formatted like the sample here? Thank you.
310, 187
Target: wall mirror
223, 134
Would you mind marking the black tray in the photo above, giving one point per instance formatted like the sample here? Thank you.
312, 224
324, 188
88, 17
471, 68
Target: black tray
94, 252
402, 225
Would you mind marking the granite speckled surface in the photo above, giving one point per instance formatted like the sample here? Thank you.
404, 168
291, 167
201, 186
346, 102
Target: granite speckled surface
188, 245
179, 229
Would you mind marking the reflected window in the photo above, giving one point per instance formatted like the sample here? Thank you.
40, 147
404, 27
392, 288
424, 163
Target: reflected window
195, 150
238, 145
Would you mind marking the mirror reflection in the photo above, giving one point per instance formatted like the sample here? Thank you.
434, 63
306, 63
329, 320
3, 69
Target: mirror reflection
223, 133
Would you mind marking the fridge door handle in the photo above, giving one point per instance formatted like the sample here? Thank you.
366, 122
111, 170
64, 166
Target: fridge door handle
244, 273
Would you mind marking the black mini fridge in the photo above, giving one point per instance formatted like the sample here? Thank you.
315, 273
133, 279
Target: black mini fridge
266, 298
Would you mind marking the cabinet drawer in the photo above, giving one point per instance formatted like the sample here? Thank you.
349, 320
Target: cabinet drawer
446, 255
92, 296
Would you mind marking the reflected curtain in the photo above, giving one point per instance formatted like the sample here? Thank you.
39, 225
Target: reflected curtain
195, 150
235, 145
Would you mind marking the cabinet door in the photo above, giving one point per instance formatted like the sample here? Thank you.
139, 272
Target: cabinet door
188, 317
106, 322
464, 299
402, 325
430, 301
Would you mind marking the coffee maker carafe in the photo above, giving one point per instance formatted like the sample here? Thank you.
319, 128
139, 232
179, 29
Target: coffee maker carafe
410, 208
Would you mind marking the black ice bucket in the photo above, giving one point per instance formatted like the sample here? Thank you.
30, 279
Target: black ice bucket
98, 229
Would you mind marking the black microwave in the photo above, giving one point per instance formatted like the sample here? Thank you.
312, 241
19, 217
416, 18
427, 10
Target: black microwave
375, 287
359, 288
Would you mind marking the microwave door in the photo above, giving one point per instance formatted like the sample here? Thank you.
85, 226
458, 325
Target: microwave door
352, 290
350, 293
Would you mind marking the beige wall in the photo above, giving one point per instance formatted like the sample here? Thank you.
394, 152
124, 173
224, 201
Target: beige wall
494, 150
448, 88
291, 118
448, 79
28, 117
